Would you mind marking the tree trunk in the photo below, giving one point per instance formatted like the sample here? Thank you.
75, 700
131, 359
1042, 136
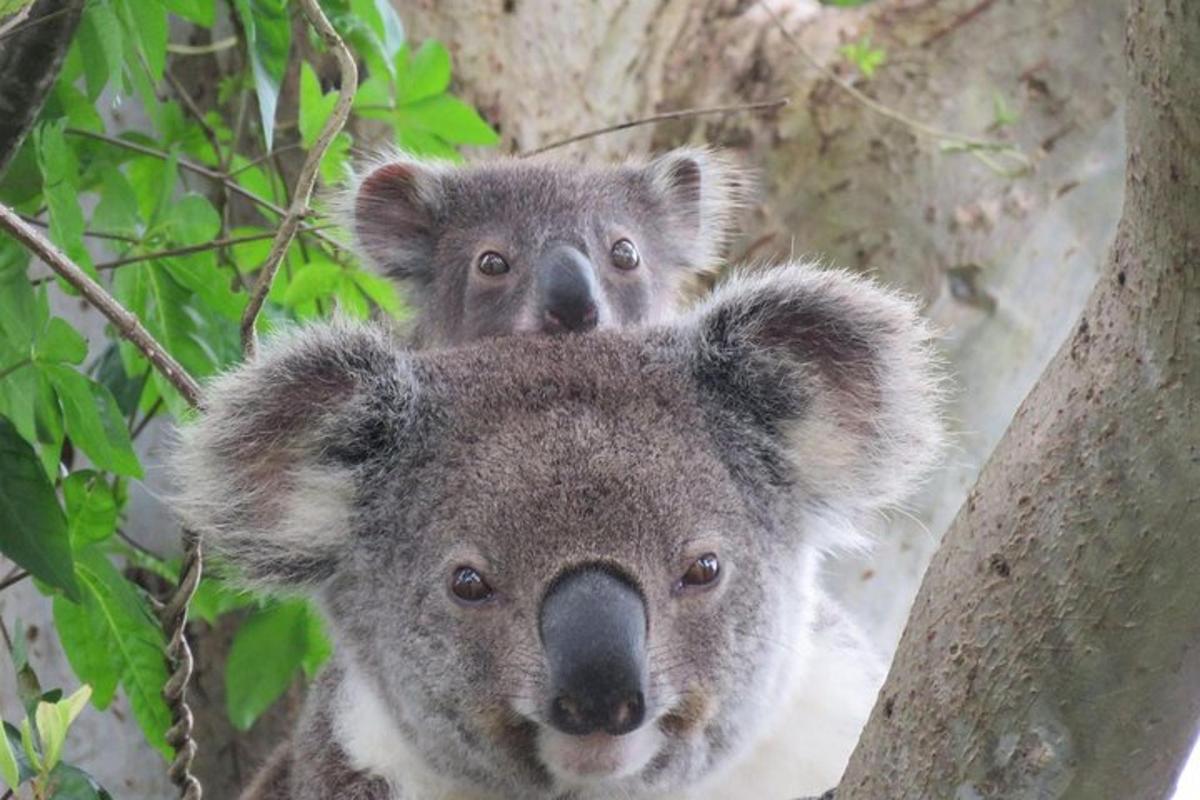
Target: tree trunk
30, 59
1054, 647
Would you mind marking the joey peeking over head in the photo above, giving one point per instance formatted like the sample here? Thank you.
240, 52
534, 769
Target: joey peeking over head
574, 568
543, 246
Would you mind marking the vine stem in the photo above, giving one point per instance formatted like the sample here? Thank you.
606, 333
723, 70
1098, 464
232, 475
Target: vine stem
308, 172
684, 113
125, 322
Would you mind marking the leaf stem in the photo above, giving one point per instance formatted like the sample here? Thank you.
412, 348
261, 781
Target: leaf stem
24, 362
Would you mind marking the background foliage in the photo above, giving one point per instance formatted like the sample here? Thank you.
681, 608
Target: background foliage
172, 209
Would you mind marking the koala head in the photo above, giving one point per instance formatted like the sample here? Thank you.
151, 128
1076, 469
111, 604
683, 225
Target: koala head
580, 564
538, 245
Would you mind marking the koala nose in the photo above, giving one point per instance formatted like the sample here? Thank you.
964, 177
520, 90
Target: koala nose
593, 626
567, 292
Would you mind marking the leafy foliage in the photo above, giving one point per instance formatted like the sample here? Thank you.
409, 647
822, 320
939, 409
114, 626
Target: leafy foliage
862, 55
140, 210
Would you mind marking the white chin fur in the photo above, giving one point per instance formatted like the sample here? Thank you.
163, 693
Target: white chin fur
598, 757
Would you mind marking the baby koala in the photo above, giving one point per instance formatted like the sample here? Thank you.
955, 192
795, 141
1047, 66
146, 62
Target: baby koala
574, 567
543, 246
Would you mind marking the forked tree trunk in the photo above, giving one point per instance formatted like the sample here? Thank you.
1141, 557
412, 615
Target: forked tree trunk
1054, 648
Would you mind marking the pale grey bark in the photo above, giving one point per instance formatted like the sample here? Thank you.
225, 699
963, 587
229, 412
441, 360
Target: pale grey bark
1054, 647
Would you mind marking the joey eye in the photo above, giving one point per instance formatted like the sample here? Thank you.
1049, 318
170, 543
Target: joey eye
704, 571
625, 255
469, 586
492, 263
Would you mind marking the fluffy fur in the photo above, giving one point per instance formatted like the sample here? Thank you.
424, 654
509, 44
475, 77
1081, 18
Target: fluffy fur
759, 427
426, 223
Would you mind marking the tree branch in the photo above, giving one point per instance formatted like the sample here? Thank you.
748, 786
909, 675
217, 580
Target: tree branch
685, 113
102, 301
1052, 648
308, 172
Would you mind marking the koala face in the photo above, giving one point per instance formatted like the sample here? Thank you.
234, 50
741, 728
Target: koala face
537, 245
570, 566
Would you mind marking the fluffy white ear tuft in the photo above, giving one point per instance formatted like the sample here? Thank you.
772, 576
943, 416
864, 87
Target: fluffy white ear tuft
831, 375
270, 470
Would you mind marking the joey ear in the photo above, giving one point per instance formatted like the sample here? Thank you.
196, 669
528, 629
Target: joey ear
270, 472
828, 378
394, 213
702, 192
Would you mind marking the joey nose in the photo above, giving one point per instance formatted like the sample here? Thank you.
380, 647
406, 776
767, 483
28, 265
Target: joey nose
593, 627
567, 291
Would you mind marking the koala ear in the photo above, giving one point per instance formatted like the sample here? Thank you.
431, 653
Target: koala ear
827, 380
702, 191
270, 471
393, 209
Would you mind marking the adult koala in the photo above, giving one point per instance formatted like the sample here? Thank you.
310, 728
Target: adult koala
574, 567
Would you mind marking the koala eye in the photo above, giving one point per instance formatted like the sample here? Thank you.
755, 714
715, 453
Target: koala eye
625, 255
469, 586
704, 571
492, 263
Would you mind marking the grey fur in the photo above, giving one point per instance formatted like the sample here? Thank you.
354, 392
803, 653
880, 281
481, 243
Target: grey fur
760, 426
425, 224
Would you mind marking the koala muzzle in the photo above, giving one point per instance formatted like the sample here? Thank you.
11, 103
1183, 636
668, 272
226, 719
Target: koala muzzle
567, 291
593, 626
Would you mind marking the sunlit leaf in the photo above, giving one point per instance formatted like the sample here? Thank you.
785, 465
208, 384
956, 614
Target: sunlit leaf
423, 74
91, 507
60, 342
315, 107
448, 118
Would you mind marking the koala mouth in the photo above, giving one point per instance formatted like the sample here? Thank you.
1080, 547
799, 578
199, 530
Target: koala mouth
598, 756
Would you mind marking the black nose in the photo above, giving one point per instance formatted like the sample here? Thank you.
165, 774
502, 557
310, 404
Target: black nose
567, 292
594, 633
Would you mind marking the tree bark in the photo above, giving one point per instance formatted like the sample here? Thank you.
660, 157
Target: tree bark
30, 60
1054, 647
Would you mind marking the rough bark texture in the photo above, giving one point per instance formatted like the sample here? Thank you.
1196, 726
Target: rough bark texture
1054, 647
29, 63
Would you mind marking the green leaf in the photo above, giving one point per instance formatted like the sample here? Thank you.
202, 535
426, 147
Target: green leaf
33, 530
100, 45
215, 597
189, 220
381, 291
268, 31
315, 107
59, 174
351, 300
117, 211
864, 56
93, 421
86, 639
68, 782
318, 647
447, 118
60, 342
135, 637
91, 507
426, 73
10, 773
383, 21
200, 12
146, 35
316, 280
267, 652
10, 732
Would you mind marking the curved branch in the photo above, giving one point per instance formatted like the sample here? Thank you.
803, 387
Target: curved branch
308, 172
125, 322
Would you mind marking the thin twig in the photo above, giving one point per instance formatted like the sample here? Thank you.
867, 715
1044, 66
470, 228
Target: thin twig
138, 546
116, 237
190, 249
958, 141
14, 579
102, 301
308, 173
202, 49
680, 114
15, 20
265, 157
197, 114
207, 172
7, 32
